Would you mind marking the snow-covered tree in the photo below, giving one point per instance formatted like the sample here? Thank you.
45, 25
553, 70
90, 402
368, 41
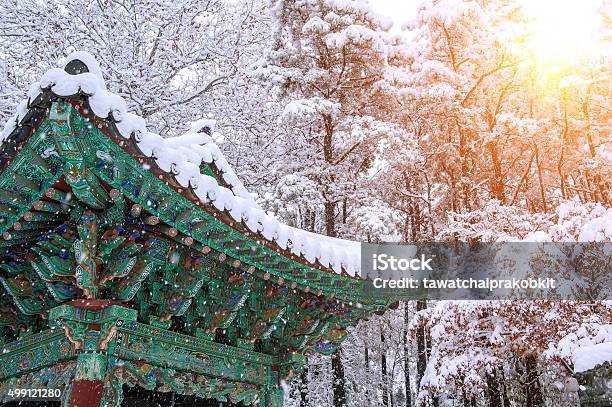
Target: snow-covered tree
173, 62
328, 68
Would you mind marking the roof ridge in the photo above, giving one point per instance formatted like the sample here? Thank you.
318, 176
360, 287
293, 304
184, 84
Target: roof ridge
181, 156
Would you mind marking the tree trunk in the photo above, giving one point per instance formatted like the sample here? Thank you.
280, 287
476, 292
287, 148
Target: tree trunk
338, 379
493, 392
367, 376
598, 180
328, 155
564, 134
465, 188
421, 351
406, 358
304, 387
383, 369
505, 399
330, 218
532, 383
541, 181
498, 175
427, 337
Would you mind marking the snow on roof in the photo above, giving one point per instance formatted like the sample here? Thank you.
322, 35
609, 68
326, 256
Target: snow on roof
181, 156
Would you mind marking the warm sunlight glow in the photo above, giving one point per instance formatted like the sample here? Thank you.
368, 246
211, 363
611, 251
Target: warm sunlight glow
564, 31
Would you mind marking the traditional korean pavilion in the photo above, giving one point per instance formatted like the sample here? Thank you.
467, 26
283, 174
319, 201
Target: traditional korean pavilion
131, 260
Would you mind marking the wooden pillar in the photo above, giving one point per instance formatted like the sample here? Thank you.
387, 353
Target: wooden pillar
91, 327
88, 382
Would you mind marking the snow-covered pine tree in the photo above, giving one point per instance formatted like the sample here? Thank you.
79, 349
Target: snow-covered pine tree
328, 67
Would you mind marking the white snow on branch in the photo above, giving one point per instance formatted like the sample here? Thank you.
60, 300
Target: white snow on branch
588, 347
589, 357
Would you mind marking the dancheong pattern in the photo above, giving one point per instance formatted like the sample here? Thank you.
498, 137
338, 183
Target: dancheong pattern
114, 275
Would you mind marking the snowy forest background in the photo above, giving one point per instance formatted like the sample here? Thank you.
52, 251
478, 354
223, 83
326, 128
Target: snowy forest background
454, 129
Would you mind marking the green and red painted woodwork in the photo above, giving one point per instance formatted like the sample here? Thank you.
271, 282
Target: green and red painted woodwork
90, 325
123, 277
